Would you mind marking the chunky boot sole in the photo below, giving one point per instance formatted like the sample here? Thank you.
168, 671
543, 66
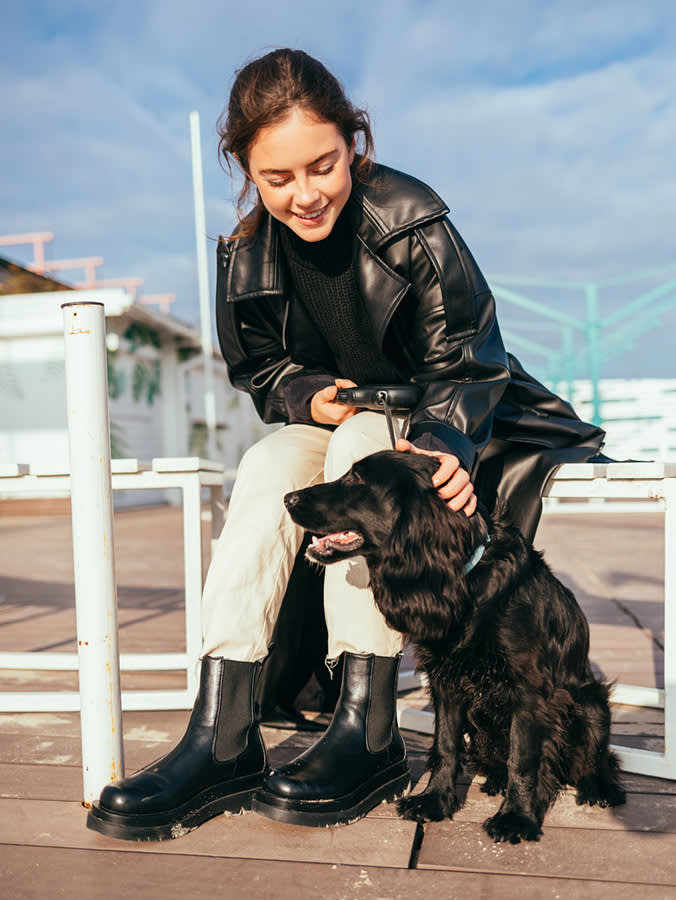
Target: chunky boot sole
387, 786
174, 823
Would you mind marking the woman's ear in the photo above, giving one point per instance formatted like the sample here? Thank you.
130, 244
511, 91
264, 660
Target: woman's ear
352, 149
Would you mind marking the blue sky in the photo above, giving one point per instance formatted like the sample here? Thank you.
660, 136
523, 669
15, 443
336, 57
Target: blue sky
548, 127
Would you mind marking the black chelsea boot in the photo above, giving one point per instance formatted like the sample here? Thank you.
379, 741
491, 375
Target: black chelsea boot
217, 766
358, 763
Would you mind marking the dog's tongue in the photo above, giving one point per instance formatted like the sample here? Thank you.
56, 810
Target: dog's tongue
344, 539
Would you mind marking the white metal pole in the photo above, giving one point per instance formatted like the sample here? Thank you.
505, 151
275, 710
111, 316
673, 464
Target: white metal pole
203, 284
93, 554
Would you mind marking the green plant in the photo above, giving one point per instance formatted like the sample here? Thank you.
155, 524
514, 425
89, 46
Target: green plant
116, 379
140, 335
119, 448
146, 377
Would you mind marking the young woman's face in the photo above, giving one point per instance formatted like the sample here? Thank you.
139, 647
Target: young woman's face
301, 168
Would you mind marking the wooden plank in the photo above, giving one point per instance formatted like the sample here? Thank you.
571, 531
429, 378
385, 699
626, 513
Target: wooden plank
562, 852
379, 840
29, 873
643, 812
44, 782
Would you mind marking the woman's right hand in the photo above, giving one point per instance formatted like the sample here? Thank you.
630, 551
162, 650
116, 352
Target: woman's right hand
324, 409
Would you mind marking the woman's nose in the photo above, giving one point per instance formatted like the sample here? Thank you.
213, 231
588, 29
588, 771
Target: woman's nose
306, 193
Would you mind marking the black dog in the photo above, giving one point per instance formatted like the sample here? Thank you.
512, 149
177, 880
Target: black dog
503, 643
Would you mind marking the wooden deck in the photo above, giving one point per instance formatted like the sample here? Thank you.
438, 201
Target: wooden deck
614, 564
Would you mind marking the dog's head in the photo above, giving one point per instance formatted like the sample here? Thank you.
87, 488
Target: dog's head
387, 510
358, 514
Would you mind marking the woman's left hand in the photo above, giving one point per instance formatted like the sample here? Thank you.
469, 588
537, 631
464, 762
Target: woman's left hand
450, 479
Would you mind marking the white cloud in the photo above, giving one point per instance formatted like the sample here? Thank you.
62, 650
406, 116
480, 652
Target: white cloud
549, 128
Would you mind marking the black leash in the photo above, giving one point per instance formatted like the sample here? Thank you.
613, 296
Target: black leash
381, 400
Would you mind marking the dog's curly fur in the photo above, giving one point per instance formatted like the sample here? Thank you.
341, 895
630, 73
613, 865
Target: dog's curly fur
505, 646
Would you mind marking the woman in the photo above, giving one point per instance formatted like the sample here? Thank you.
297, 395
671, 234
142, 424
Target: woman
345, 272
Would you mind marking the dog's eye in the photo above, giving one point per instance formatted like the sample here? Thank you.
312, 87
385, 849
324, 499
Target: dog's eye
353, 477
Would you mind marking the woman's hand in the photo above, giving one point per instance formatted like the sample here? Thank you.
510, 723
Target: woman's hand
325, 411
450, 479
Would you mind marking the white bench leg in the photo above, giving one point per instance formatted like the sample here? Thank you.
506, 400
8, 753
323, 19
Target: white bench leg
192, 555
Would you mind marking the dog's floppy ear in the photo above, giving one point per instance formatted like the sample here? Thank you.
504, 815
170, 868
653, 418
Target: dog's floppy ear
419, 583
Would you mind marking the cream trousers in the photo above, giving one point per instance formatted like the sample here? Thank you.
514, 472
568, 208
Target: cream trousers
256, 550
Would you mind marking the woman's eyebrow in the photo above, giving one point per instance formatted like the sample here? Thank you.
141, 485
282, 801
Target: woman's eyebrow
309, 165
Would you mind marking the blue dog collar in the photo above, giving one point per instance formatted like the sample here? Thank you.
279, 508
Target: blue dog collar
476, 556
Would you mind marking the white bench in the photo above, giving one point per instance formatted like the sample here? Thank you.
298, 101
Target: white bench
621, 484
188, 474
616, 487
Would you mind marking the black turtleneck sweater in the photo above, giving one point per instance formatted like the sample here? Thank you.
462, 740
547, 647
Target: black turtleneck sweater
322, 273
323, 276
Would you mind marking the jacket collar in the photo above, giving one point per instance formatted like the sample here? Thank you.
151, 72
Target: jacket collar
389, 205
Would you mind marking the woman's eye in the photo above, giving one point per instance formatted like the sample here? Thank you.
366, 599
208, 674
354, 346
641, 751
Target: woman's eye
326, 171
277, 184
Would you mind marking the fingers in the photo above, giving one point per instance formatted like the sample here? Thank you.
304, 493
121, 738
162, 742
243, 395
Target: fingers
323, 408
470, 507
461, 499
458, 492
451, 480
405, 446
449, 475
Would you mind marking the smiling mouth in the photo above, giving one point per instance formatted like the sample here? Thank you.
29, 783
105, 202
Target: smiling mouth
309, 217
330, 544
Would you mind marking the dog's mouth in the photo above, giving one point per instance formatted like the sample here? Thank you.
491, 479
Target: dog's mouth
338, 543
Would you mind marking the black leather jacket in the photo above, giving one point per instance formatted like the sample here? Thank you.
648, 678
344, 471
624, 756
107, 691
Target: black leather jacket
433, 315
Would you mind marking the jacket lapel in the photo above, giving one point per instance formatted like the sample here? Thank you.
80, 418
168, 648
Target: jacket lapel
381, 288
256, 268
380, 214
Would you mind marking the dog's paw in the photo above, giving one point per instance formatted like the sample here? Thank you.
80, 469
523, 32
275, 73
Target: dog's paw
614, 795
594, 792
512, 827
494, 785
428, 807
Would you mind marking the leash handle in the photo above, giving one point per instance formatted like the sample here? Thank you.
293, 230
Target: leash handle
384, 396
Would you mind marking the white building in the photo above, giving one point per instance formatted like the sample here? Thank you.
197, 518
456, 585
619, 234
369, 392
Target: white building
638, 414
156, 390
155, 384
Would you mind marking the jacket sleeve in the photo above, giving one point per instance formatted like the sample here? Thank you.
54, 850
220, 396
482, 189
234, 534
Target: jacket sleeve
250, 334
459, 357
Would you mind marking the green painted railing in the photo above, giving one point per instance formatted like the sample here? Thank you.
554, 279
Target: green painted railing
585, 341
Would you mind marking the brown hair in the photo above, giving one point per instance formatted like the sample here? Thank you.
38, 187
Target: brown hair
264, 93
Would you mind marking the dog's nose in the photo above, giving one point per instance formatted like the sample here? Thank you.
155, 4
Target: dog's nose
291, 499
